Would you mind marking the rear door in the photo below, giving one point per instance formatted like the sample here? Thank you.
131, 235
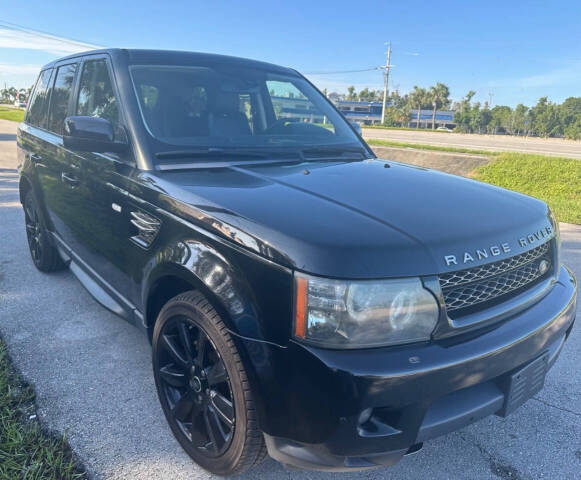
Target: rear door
32, 135
59, 173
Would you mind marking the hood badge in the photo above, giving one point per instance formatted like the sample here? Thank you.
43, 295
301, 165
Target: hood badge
498, 249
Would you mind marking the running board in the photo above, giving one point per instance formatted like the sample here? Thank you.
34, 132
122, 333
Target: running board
101, 291
97, 291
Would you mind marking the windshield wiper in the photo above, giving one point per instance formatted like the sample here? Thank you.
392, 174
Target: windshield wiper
317, 151
210, 152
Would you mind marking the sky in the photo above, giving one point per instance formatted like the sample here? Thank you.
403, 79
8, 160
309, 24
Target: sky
512, 51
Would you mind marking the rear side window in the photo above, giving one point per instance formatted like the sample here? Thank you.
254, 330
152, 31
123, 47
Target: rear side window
96, 94
37, 110
60, 98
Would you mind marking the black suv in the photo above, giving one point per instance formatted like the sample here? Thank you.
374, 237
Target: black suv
303, 298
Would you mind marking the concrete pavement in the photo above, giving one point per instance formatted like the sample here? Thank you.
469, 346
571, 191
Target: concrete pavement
93, 379
493, 143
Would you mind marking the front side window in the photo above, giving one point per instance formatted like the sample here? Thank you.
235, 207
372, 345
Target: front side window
96, 94
60, 98
226, 106
38, 107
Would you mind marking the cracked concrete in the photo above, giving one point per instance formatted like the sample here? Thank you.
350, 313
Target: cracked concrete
92, 375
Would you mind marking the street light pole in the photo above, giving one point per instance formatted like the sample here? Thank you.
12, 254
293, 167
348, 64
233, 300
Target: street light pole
386, 82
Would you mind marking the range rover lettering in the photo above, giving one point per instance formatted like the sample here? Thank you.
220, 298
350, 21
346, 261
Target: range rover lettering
303, 298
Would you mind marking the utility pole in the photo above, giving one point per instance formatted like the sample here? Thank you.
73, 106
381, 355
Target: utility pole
386, 82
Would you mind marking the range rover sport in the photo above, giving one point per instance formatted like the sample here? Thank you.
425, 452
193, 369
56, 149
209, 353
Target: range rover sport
304, 299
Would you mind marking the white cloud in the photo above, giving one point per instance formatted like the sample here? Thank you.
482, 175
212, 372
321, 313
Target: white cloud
8, 69
12, 38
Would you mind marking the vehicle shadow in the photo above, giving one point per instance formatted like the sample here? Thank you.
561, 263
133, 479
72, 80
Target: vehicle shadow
7, 137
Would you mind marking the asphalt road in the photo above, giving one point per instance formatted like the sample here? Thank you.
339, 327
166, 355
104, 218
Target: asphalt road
93, 379
494, 143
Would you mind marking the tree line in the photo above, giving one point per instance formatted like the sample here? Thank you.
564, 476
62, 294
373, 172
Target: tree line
9, 94
545, 119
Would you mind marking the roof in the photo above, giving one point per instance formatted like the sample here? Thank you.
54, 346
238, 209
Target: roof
176, 57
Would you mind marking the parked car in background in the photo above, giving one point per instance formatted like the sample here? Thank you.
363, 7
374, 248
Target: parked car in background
304, 299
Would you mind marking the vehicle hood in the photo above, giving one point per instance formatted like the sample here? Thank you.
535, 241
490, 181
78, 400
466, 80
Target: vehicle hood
359, 219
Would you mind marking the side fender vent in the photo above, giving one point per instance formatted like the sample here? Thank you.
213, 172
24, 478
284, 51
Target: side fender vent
147, 228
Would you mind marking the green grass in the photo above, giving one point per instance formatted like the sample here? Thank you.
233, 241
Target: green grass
421, 146
13, 114
554, 180
26, 451
411, 129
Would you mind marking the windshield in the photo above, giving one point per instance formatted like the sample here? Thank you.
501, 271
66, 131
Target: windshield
189, 107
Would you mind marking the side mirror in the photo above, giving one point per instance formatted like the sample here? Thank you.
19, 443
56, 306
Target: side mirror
357, 127
91, 134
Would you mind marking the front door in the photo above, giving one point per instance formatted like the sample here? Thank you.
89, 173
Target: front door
106, 227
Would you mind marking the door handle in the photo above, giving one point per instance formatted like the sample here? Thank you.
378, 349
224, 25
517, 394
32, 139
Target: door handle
35, 158
72, 181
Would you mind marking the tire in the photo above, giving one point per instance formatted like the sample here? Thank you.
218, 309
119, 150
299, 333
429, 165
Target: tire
44, 254
203, 387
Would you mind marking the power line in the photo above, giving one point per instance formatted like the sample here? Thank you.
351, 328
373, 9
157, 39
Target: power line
40, 33
345, 71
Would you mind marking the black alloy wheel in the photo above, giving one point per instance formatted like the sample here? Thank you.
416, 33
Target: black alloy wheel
44, 254
33, 229
196, 385
203, 388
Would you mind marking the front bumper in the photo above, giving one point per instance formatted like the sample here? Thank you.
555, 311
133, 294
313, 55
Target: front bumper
360, 409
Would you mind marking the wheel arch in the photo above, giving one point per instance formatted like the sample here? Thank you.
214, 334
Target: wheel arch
24, 185
192, 264
170, 279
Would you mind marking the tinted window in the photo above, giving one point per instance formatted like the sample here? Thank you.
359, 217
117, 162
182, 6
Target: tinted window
61, 95
235, 106
37, 110
289, 102
96, 95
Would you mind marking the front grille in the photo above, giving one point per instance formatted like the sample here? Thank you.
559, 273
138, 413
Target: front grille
476, 288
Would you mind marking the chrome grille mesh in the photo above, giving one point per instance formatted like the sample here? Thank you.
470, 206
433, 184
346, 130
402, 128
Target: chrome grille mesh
466, 288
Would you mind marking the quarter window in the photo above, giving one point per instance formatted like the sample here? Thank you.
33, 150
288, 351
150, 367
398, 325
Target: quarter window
96, 94
37, 110
60, 98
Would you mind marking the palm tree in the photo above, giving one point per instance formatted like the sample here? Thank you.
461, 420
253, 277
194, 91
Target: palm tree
417, 99
402, 115
351, 93
439, 96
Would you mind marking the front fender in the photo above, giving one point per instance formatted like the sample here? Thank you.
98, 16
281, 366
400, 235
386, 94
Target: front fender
244, 293
254, 298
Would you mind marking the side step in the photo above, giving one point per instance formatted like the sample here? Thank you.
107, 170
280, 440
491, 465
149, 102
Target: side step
97, 291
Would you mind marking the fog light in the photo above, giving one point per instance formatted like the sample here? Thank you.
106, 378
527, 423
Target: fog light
364, 416
543, 266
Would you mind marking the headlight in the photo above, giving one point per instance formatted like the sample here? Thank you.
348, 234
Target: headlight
366, 313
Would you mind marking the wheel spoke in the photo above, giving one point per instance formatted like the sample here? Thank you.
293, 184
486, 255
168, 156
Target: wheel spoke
201, 348
185, 340
197, 436
173, 376
36, 249
222, 406
31, 214
215, 431
172, 348
183, 409
216, 374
